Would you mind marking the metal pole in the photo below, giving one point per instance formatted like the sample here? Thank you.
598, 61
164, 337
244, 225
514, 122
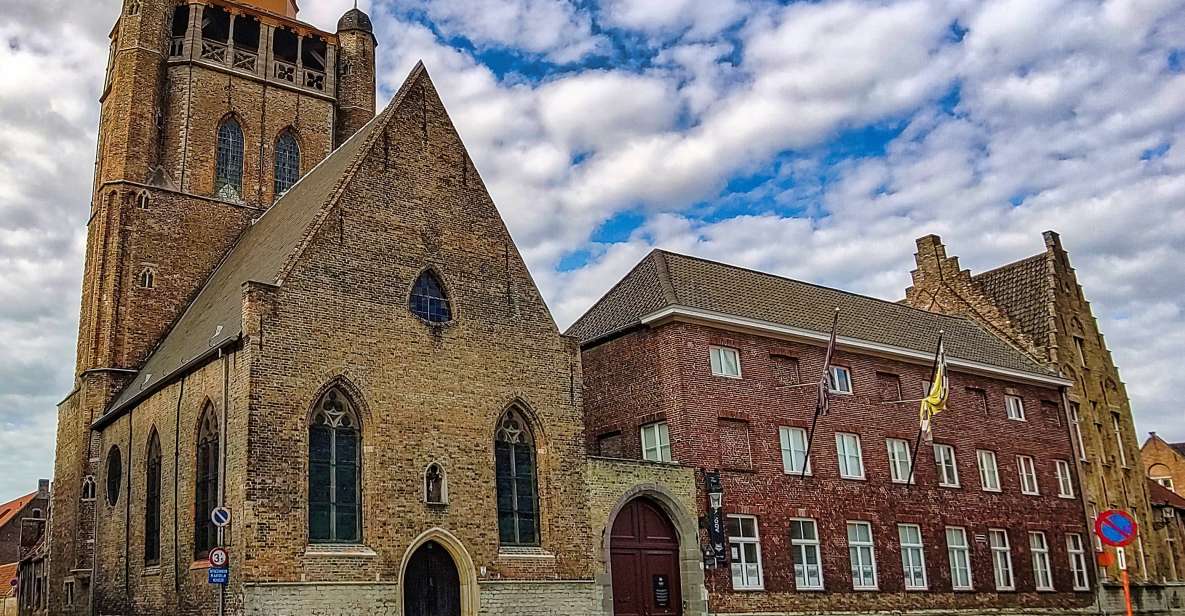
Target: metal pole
918, 443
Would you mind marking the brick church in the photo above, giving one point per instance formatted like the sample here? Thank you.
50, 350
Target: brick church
313, 316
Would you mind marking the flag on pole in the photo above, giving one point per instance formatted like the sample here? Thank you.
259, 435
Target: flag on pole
823, 403
935, 402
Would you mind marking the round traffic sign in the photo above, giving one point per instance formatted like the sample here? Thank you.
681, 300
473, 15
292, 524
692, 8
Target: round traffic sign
1116, 528
219, 558
220, 516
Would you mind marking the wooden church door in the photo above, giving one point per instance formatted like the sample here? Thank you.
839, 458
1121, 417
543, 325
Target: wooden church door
644, 557
431, 584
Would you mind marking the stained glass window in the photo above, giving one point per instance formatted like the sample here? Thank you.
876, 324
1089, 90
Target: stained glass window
518, 498
206, 484
287, 163
228, 169
429, 301
334, 497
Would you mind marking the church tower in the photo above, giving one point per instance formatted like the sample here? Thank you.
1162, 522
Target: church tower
210, 110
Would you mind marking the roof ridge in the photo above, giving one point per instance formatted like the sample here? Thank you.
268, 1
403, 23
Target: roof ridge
664, 275
609, 293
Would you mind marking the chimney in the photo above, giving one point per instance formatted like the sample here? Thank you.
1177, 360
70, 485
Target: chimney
42, 488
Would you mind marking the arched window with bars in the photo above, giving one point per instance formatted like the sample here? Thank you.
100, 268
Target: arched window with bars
518, 493
335, 440
228, 166
207, 471
287, 168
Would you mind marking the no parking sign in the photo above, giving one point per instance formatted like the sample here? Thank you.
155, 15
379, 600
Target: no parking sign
1116, 528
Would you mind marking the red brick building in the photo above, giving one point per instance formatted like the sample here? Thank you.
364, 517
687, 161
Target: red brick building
701, 364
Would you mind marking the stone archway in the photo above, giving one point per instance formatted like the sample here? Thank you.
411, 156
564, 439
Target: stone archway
433, 585
466, 571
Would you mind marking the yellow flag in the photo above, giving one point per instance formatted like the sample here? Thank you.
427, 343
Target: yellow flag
935, 402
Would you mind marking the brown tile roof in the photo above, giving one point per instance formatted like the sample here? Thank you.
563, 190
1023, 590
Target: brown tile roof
13, 508
1020, 290
666, 279
7, 577
215, 318
1160, 495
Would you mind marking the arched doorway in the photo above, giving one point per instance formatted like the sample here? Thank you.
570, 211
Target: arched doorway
644, 562
431, 585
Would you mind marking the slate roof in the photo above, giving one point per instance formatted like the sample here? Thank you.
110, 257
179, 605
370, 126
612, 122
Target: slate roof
214, 318
663, 279
1178, 447
13, 508
1020, 289
1160, 495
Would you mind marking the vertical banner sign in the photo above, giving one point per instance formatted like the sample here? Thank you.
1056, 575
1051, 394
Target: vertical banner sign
716, 520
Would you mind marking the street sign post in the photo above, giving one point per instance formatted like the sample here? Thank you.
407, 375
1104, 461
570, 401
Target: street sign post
219, 558
1118, 529
218, 575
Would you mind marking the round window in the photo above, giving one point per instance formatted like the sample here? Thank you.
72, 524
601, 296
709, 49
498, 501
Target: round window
114, 475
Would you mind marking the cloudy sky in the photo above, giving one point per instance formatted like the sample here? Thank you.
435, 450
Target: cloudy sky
812, 139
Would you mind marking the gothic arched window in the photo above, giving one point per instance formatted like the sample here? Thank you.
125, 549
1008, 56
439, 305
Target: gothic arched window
334, 461
152, 501
518, 494
428, 299
287, 162
147, 278
114, 475
88, 488
206, 483
228, 167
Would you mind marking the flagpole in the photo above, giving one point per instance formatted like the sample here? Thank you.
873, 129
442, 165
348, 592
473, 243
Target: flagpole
810, 439
917, 445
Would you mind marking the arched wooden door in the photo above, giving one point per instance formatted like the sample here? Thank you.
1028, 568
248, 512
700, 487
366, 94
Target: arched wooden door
431, 585
644, 559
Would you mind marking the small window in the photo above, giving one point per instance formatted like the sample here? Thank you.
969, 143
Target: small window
435, 486
725, 362
746, 552
1001, 559
851, 458
142, 200
1116, 426
114, 475
68, 592
989, 472
793, 443
913, 558
429, 300
134, 8
1080, 347
1076, 422
808, 562
899, 459
948, 468
1042, 570
1016, 407
862, 555
36, 513
1166, 482
146, 279
287, 167
88, 488
959, 553
1028, 475
656, 442
1065, 481
1077, 552
841, 380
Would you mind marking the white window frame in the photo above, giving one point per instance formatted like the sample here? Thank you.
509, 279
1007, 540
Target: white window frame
862, 556
1165, 481
899, 460
1076, 549
959, 556
944, 458
1119, 439
835, 373
1042, 567
843, 455
1080, 346
1001, 559
1023, 464
908, 551
716, 356
792, 450
1015, 406
662, 443
1065, 479
801, 547
1076, 420
989, 470
755, 540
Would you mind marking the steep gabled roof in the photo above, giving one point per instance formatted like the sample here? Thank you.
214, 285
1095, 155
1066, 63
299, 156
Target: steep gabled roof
262, 254
665, 279
1020, 288
13, 508
1160, 495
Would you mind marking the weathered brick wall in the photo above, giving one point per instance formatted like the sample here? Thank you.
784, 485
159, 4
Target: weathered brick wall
1161, 460
565, 598
355, 89
323, 599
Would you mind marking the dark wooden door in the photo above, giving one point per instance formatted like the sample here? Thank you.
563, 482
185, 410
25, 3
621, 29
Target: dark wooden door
431, 585
644, 558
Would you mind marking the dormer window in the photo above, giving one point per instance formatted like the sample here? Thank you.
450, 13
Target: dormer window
429, 300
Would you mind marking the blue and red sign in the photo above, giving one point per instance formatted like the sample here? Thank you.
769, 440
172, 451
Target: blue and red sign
1116, 528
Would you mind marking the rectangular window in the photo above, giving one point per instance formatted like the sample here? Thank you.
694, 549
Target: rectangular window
851, 459
1077, 551
1165, 481
959, 553
841, 380
1015, 406
656, 442
1065, 483
1080, 346
1042, 572
948, 469
1076, 421
862, 556
804, 546
746, 552
913, 559
1119, 439
69, 592
1028, 475
726, 362
1001, 559
899, 459
793, 441
989, 473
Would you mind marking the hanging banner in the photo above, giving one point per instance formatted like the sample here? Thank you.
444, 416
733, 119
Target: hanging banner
716, 536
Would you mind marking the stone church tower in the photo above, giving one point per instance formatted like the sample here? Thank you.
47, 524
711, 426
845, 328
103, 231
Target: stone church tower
209, 110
